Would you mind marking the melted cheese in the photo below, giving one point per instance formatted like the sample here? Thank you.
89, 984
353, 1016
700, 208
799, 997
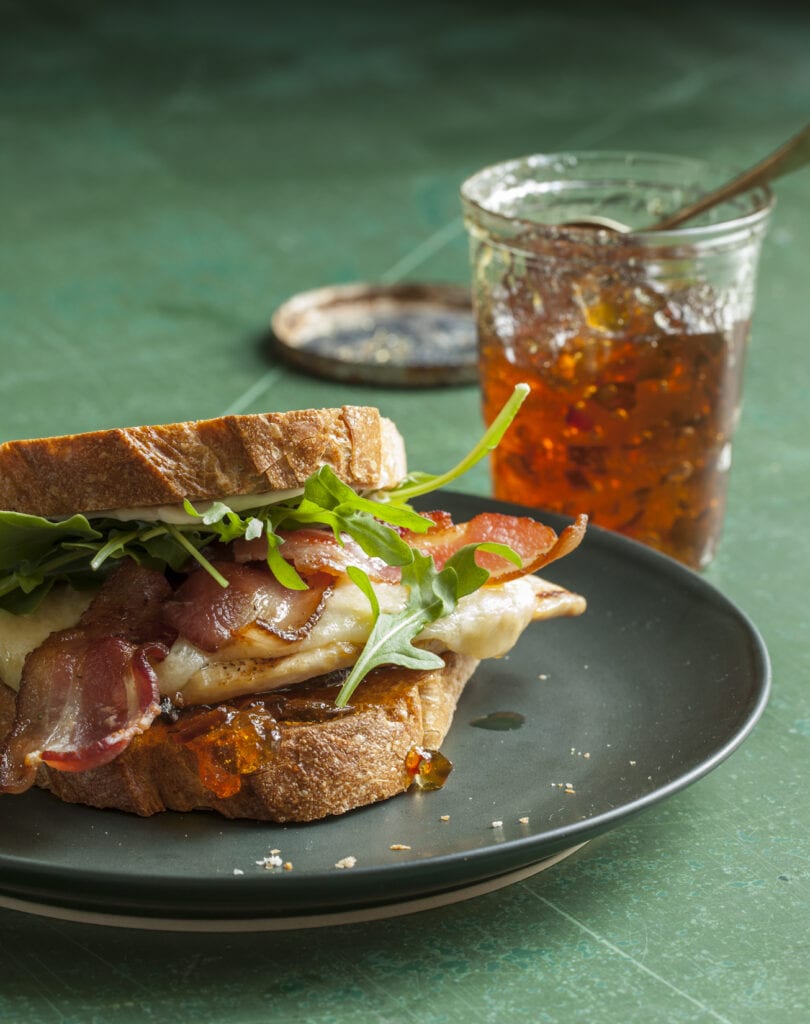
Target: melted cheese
485, 624
177, 514
20, 634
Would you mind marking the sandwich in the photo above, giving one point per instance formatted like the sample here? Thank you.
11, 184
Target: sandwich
246, 614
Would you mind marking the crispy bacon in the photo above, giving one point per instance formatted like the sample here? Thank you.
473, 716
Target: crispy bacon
86, 691
312, 550
210, 615
536, 543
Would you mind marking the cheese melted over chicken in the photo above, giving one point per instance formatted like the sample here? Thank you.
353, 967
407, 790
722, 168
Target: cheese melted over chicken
485, 624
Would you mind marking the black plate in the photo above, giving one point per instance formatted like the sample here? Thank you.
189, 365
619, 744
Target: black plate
654, 686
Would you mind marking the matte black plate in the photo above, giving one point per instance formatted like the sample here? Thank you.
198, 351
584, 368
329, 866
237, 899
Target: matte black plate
654, 686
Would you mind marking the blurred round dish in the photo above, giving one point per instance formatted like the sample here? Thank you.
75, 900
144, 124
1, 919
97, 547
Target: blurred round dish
403, 335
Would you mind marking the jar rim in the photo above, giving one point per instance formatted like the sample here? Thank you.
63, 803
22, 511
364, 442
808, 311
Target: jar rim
479, 189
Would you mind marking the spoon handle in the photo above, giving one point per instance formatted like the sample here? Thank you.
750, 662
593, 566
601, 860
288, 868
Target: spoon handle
790, 156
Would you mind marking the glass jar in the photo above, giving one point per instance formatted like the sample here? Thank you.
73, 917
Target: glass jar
633, 343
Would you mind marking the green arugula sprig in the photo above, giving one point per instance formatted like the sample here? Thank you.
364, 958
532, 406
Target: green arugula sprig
432, 594
416, 484
327, 501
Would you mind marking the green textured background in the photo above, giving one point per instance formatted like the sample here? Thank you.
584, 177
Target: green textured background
169, 173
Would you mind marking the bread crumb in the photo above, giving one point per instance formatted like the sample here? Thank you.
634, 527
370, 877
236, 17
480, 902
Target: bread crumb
273, 861
238, 871
398, 846
496, 824
524, 820
287, 865
633, 763
444, 817
346, 862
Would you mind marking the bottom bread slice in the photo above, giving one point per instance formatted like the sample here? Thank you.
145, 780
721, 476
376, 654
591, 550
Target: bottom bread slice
316, 763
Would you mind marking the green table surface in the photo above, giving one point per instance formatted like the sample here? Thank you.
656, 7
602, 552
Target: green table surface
168, 175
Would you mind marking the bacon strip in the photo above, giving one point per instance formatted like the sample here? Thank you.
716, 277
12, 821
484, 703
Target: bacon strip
536, 543
311, 550
85, 692
210, 615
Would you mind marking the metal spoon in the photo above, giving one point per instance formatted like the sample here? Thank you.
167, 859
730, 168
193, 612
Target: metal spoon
789, 157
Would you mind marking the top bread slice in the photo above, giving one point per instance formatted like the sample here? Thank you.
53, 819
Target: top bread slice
199, 460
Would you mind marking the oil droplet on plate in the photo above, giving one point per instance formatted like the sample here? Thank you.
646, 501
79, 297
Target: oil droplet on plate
499, 721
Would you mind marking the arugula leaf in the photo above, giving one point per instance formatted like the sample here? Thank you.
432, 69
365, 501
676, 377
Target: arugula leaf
27, 582
183, 541
254, 528
284, 571
376, 539
390, 640
472, 576
423, 483
432, 594
114, 548
29, 538
20, 601
157, 549
327, 491
327, 501
221, 520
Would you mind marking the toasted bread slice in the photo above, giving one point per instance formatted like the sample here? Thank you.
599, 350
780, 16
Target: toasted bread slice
313, 767
199, 460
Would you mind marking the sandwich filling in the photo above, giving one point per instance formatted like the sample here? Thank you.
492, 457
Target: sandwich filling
87, 689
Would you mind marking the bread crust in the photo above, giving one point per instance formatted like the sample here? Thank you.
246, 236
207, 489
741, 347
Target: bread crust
312, 770
198, 460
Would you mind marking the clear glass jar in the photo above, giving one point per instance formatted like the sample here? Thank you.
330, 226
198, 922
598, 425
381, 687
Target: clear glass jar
633, 343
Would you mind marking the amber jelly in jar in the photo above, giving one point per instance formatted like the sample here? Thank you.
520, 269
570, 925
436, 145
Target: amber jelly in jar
633, 343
